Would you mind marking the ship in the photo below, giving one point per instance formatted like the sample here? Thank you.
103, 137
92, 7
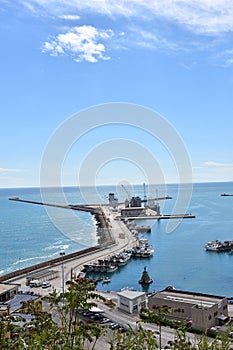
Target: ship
218, 246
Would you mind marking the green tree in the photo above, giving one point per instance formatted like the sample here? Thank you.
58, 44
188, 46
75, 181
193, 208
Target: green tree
139, 339
60, 327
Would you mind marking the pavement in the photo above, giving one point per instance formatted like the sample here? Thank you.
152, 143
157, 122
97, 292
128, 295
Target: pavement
120, 234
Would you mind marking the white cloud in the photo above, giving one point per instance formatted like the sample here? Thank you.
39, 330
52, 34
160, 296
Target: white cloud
147, 39
202, 16
70, 17
218, 164
8, 170
82, 43
30, 6
190, 26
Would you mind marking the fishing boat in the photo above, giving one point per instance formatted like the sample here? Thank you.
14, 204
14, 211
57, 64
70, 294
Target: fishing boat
106, 280
218, 246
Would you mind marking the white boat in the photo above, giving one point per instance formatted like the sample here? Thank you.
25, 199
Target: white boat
106, 280
213, 245
111, 268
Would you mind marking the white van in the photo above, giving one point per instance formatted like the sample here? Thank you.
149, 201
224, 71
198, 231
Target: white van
35, 283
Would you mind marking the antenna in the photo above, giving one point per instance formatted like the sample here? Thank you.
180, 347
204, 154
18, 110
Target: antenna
144, 189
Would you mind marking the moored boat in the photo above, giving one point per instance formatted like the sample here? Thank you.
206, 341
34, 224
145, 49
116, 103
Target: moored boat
106, 280
218, 246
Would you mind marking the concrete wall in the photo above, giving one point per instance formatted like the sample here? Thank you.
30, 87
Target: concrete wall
202, 317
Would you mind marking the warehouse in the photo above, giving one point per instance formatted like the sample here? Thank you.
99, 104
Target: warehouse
202, 311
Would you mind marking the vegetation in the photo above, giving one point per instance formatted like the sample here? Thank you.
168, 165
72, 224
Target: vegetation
58, 326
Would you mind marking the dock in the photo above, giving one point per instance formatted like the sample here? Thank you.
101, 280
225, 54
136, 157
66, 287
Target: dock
162, 217
87, 208
111, 230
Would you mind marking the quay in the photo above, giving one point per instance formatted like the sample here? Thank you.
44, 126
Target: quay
162, 217
80, 207
113, 237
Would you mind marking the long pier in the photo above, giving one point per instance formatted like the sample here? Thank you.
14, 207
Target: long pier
162, 217
103, 229
101, 217
80, 207
108, 232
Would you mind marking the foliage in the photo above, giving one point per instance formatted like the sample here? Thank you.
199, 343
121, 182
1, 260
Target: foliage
58, 326
140, 339
183, 342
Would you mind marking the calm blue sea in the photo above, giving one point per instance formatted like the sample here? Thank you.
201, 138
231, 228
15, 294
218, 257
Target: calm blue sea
29, 236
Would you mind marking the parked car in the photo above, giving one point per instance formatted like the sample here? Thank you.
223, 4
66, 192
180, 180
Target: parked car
46, 284
113, 325
105, 320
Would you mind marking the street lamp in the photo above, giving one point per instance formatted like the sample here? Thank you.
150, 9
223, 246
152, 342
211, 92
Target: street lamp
62, 253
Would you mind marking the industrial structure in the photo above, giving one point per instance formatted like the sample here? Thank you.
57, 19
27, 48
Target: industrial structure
202, 311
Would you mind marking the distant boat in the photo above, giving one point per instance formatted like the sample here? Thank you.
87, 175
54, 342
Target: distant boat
106, 280
218, 246
226, 194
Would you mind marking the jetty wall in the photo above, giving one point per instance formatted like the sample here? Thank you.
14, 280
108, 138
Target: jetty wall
105, 239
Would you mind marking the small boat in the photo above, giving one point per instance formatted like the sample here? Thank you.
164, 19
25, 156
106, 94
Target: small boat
226, 194
213, 245
218, 246
106, 280
143, 229
111, 268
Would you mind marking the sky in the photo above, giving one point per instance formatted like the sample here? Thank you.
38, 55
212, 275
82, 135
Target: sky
61, 57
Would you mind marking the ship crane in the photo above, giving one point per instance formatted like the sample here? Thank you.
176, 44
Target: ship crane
126, 191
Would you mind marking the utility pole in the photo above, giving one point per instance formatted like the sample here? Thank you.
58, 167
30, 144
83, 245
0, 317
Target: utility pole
62, 253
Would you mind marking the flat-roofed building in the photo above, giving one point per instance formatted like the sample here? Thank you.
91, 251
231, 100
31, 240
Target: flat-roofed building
8, 291
131, 301
202, 310
133, 211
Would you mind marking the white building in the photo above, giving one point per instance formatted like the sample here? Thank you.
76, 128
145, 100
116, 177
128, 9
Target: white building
131, 301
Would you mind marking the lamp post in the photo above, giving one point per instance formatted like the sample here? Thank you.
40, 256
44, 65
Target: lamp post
62, 253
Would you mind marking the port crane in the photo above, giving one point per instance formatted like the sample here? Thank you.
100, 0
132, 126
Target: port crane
126, 191
157, 198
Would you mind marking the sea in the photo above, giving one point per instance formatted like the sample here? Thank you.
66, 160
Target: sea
31, 234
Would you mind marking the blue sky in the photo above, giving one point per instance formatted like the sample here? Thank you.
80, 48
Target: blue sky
61, 57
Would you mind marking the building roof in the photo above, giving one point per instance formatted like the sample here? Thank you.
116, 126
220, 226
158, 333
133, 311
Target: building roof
133, 208
16, 302
203, 300
131, 294
5, 287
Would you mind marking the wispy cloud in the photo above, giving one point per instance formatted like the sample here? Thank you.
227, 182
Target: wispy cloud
218, 164
70, 17
82, 43
148, 39
10, 170
197, 26
203, 16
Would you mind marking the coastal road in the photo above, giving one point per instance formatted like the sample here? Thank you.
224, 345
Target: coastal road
120, 234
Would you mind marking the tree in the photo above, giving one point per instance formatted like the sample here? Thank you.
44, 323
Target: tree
139, 339
59, 327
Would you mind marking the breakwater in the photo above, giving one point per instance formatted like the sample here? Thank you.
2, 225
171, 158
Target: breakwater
103, 233
102, 224
49, 264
